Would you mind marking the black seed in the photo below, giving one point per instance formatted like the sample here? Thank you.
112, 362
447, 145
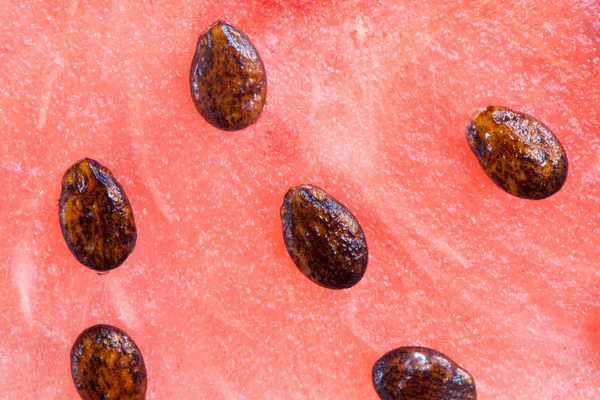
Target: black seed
323, 238
107, 364
519, 153
96, 217
228, 79
419, 373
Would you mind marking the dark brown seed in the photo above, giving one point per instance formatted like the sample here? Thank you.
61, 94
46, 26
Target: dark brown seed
228, 78
323, 238
107, 364
518, 152
96, 217
419, 373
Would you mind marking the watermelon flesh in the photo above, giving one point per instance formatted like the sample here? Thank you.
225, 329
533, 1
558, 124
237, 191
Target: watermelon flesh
368, 100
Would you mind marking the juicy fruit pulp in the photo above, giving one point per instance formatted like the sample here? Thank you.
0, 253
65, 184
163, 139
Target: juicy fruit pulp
96, 217
107, 364
323, 238
228, 78
420, 373
368, 100
518, 152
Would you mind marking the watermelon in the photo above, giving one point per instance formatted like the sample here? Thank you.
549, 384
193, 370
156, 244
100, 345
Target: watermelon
368, 100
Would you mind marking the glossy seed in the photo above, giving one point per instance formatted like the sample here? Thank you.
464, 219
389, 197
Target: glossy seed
107, 364
419, 373
519, 153
228, 79
323, 238
96, 217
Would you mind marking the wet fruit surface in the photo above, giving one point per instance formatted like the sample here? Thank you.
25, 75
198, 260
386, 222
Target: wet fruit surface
518, 152
96, 217
420, 373
107, 364
228, 79
368, 100
323, 238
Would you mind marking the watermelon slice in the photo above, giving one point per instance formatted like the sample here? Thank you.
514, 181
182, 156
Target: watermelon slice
368, 100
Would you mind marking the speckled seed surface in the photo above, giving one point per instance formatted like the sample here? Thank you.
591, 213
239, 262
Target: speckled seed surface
518, 152
228, 79
96, 217
107, 364
420, 373
324, 239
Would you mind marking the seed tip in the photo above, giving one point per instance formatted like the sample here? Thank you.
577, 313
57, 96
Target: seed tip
476, 113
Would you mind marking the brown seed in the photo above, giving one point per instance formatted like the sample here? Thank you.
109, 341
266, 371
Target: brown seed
96, 217
518, 152
323, 238
107, 364
228, 78
419, 373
